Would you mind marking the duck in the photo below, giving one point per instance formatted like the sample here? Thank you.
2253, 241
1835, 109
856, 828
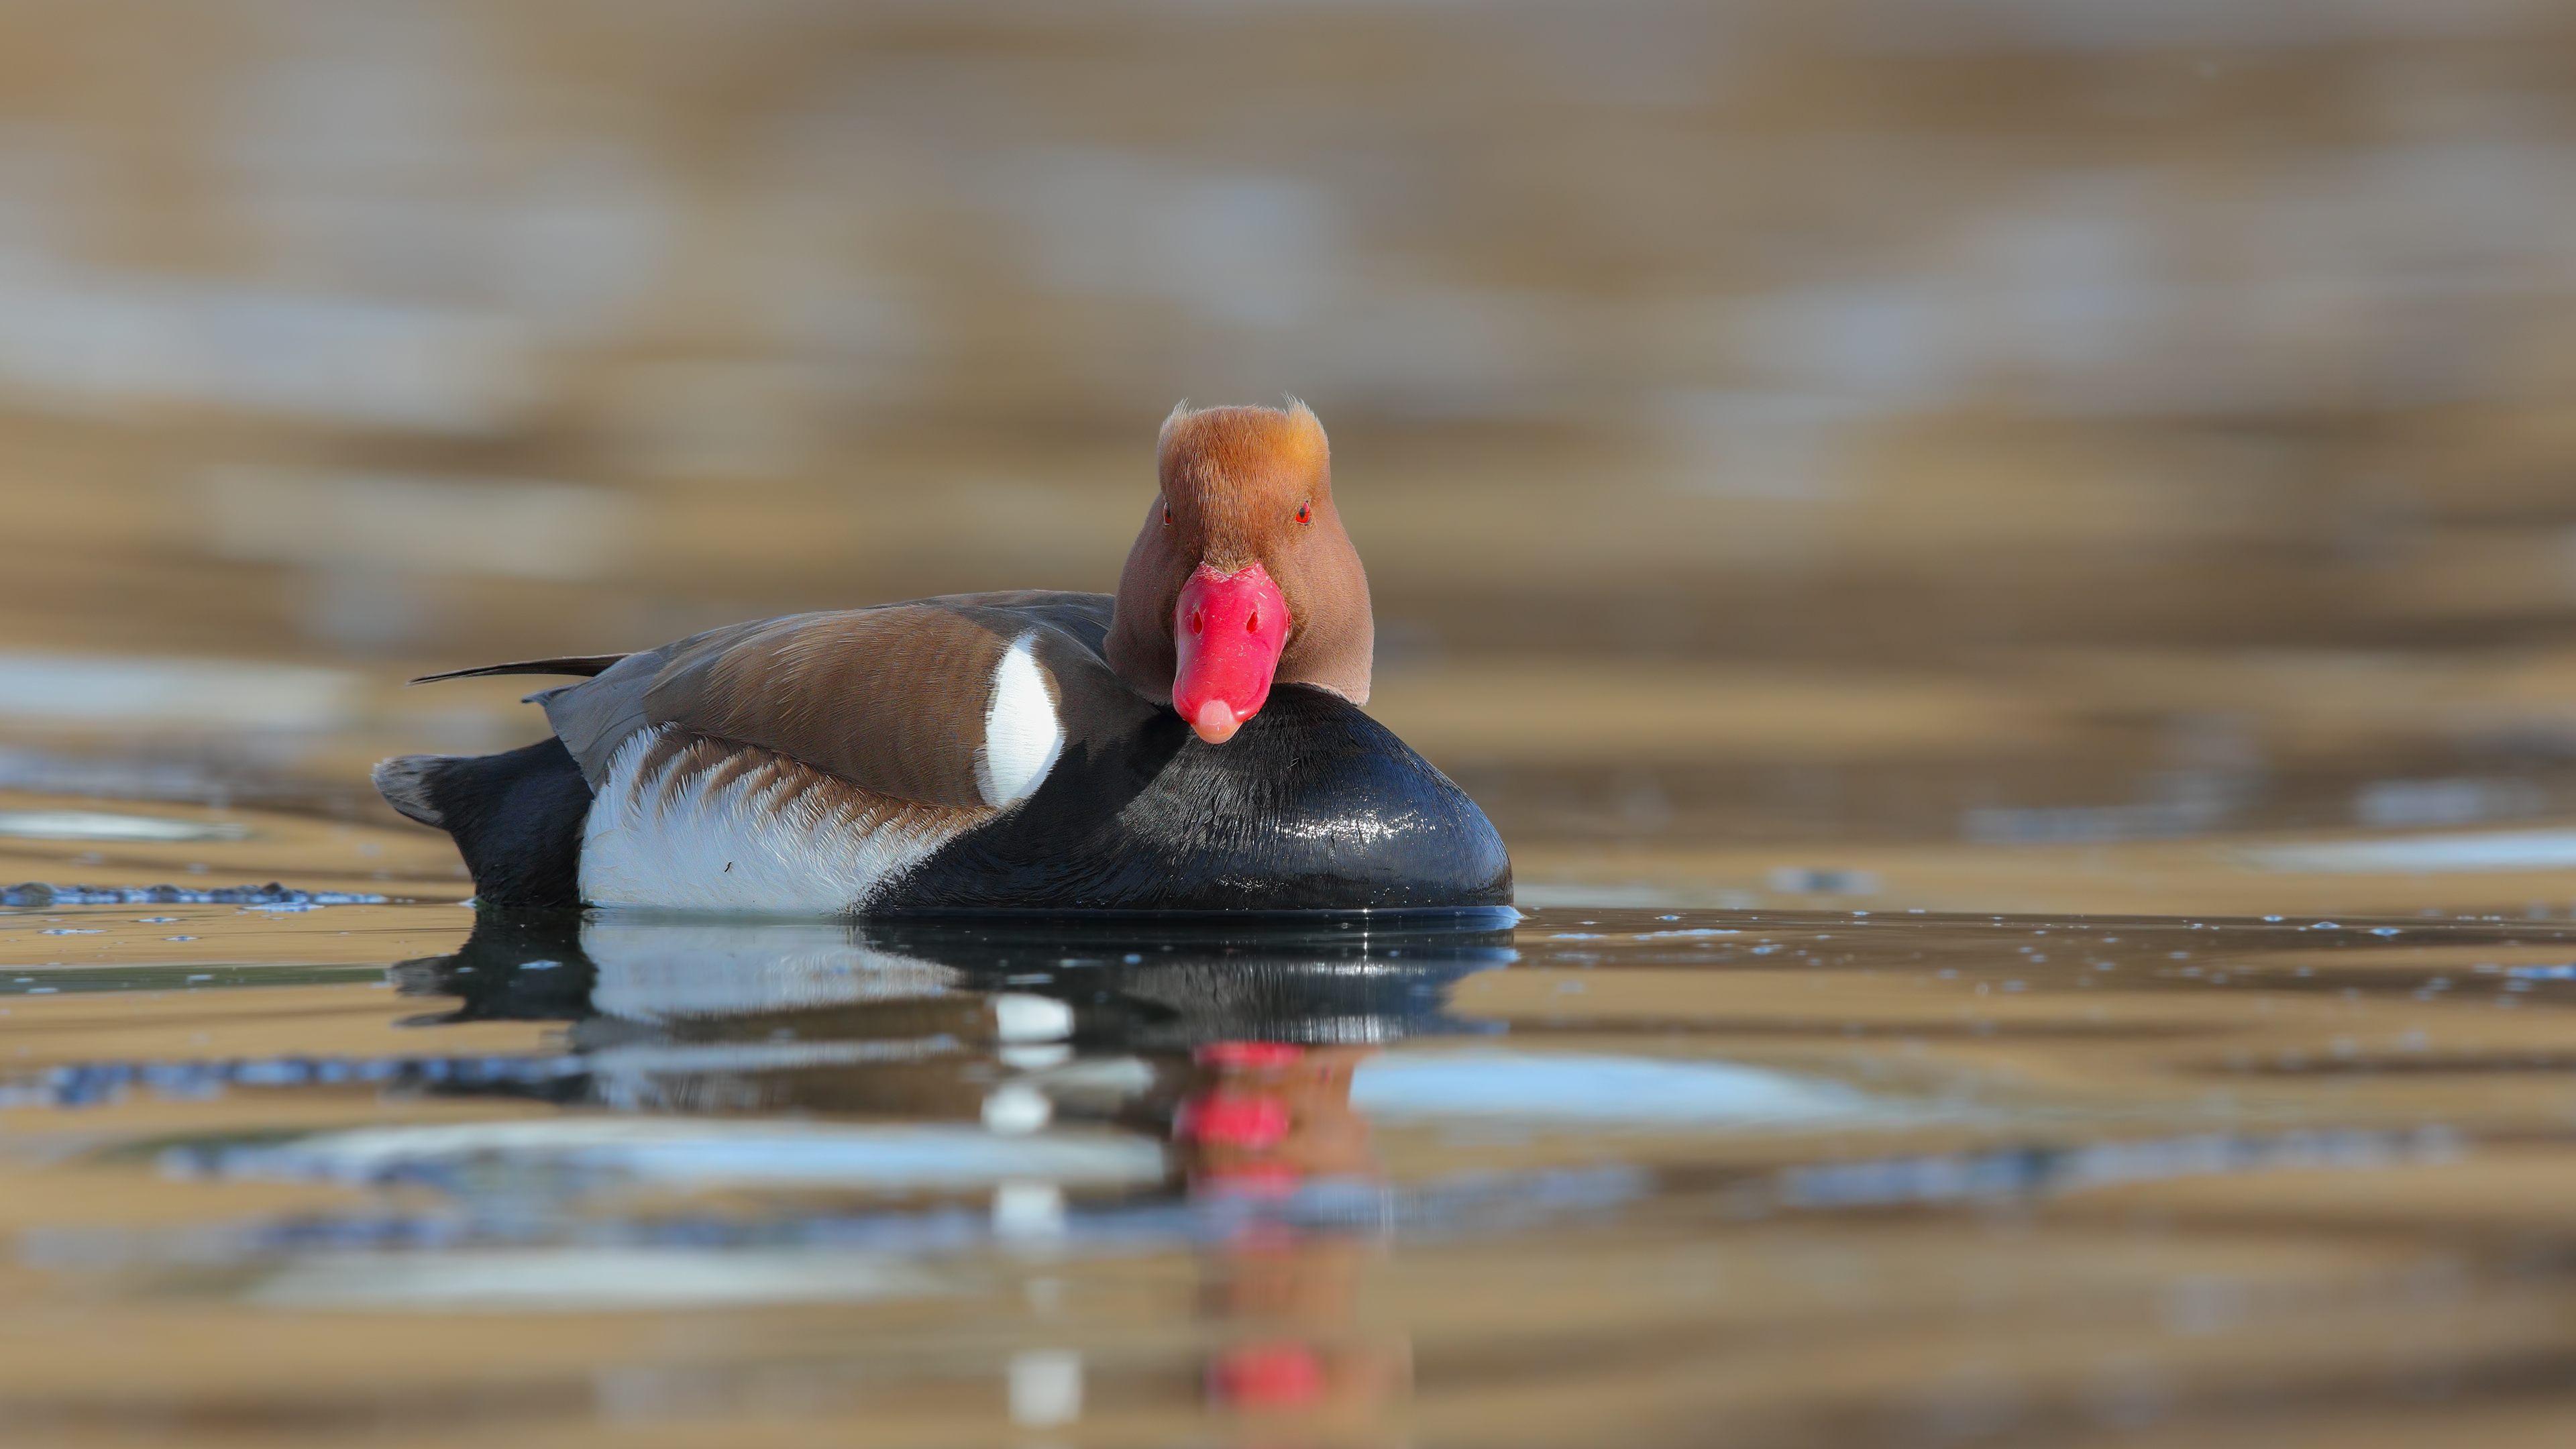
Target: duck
1193, 743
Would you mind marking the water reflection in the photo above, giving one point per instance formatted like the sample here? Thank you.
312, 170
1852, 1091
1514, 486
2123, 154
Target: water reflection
908, 1100
900, 1096
1324, 1183
1016, 1027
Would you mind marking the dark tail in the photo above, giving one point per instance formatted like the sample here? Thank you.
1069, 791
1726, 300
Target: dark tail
517, 817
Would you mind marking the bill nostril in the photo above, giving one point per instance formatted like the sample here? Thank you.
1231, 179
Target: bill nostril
1198, 621
1252, 624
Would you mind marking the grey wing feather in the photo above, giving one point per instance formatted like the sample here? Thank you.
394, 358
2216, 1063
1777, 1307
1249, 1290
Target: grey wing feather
596, 716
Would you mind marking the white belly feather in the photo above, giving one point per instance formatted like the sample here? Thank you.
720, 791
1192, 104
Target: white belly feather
776, 838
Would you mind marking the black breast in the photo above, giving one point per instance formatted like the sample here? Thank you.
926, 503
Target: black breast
1311, 806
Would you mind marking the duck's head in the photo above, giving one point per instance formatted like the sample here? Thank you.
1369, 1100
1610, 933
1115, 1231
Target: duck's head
1242, 576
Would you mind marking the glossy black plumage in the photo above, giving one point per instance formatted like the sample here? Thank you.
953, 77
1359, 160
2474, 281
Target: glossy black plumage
1311, 806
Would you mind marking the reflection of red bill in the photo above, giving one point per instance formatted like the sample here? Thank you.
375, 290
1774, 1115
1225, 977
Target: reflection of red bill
1249, 1056
1265, 1180
1227, 631
1230, 1119
1266, 1376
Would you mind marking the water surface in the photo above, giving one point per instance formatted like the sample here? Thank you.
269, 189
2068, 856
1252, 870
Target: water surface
1596, 1176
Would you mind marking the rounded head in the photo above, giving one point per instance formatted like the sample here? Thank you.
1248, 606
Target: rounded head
1242, 575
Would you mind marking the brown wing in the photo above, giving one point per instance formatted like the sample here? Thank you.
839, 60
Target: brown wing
892, 699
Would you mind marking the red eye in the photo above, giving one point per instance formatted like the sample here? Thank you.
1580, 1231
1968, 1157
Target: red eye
1305, 513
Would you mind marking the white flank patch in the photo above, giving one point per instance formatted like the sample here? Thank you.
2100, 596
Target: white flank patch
1021, 735
748, 846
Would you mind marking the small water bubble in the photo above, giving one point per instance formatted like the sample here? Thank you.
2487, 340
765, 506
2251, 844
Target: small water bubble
2383, 930
2275, 919
154, 920
178, 938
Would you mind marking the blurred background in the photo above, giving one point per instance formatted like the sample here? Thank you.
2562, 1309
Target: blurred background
1821, 427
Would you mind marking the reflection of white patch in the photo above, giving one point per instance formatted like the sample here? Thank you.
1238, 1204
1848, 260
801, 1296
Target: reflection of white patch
666, 970
705, 1154
1602, 1091
589, 1279
1019, 1016
1046, 1387
753, 844
1021, 735
2495, 850
1016, 1109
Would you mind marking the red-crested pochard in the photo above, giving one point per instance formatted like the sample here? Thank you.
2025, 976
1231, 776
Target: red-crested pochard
1192, 744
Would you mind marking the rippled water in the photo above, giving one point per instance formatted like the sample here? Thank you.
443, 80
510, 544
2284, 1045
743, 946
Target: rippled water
1586, 1176
2099, 460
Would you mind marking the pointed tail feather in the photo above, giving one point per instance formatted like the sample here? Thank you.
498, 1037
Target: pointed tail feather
585, 665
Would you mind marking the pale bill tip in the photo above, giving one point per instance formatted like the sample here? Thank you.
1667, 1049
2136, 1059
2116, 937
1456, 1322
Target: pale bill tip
1216, 722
